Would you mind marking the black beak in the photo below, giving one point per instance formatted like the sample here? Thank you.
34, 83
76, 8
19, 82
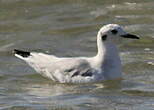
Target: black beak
130, 36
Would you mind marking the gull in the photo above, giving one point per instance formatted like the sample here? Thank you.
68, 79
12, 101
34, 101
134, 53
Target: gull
105, 65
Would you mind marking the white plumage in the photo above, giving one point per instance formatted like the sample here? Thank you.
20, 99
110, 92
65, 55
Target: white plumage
106, 65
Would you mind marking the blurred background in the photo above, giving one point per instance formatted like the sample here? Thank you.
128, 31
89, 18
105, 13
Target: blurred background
69, 28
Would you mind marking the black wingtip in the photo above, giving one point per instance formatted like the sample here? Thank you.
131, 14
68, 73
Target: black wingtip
21, 53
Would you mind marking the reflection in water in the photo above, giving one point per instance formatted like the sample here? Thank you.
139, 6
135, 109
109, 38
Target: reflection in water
46, 90
70, 95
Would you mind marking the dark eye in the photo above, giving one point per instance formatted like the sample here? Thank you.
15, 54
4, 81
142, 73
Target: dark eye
104, 37
114, 31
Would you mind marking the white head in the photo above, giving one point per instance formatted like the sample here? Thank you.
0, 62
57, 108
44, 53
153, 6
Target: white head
113, 32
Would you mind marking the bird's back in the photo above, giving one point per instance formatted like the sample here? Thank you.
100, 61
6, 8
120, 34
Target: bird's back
61, 69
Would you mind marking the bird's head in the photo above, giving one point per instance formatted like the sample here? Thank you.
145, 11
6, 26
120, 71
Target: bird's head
113, 32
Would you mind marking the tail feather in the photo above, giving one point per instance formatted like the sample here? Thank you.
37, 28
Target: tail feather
21, 53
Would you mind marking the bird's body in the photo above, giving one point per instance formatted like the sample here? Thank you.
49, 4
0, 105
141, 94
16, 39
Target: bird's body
77, 69
105, 65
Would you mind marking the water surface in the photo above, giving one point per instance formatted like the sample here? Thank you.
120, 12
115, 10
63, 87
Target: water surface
69, 28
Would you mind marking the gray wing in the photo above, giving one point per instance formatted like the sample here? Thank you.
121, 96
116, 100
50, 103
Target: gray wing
50, 65
74, 67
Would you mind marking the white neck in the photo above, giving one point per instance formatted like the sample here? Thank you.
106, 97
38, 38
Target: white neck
102, 47
108, 57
